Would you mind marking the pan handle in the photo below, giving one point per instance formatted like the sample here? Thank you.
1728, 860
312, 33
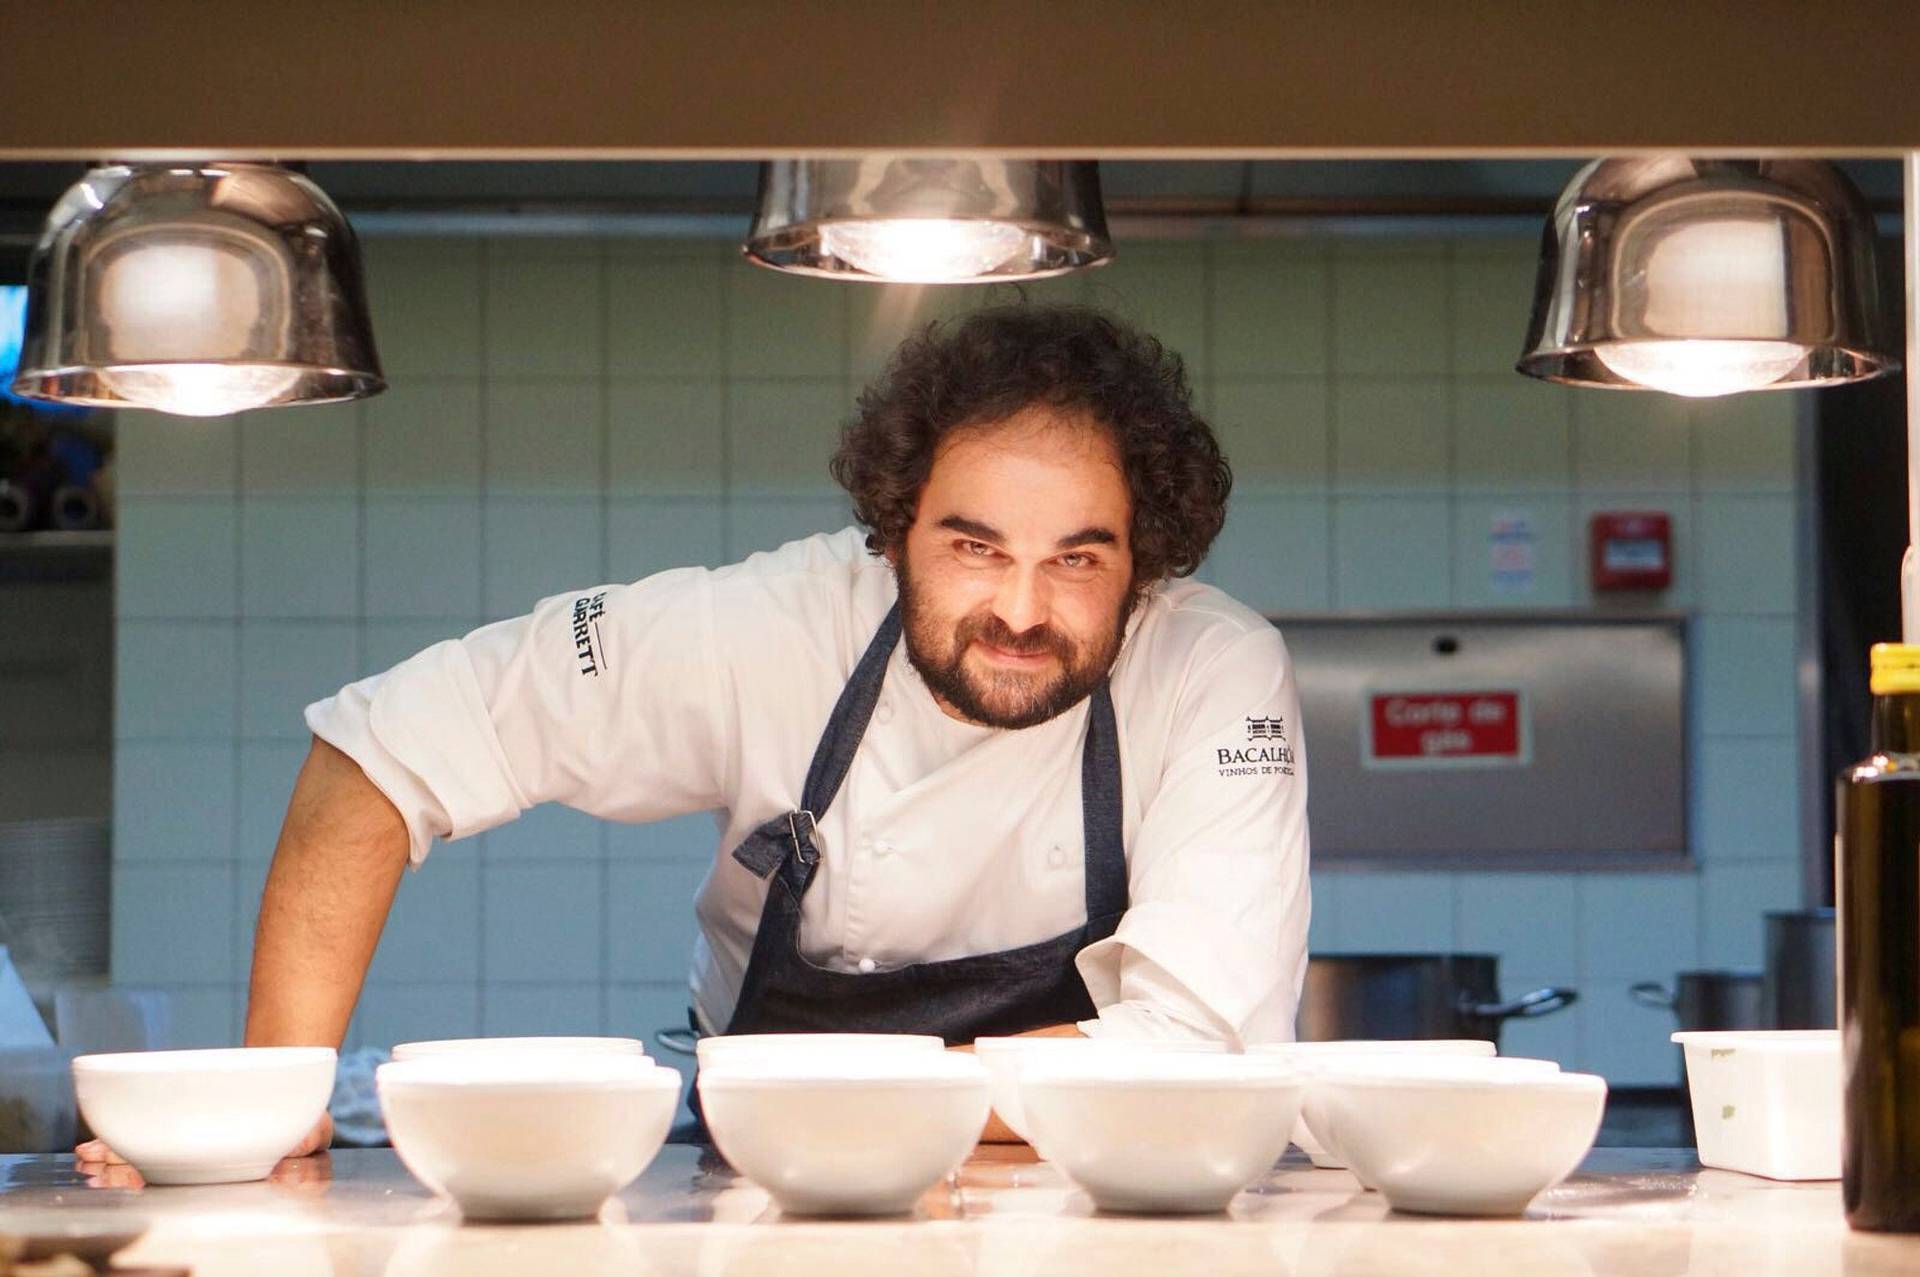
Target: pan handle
678, 1041
1526, 1006
1651, 993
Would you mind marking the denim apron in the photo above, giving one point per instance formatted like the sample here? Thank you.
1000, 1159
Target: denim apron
958, 999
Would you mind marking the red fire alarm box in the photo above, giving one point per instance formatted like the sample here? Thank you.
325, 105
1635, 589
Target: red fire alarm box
1632, 550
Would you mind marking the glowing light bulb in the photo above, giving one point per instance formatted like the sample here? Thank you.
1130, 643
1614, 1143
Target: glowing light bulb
924, 250
1701, 368
201, 390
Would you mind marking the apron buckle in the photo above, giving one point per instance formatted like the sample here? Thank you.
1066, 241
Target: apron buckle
800, 828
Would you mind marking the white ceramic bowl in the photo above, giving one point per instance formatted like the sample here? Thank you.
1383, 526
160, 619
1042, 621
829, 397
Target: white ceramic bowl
1007, 1058
1307, 1057
1161, 1133
842, 1134
480, 1046
1318, 1114
1465, 1146
537, 1135
204, 1117
737, 1046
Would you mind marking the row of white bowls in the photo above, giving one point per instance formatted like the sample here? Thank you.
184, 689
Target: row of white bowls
845, 1124
525, 1128
866, 1124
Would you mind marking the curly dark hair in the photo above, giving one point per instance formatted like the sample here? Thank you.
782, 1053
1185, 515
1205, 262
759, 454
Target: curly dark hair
990, 364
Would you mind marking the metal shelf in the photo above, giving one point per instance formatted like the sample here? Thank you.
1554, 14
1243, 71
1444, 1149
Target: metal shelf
56, 556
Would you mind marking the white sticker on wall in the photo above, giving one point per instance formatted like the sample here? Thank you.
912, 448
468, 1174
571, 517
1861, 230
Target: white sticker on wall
1510, 547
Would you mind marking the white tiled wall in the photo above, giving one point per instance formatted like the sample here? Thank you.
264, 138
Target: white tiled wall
565, 412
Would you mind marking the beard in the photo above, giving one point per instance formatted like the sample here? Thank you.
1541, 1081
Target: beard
1001, 697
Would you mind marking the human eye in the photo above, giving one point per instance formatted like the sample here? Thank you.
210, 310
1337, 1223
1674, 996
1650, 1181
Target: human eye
1077, 561
975, 549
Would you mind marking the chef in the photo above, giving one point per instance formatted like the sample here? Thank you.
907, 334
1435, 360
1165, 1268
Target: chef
987, 764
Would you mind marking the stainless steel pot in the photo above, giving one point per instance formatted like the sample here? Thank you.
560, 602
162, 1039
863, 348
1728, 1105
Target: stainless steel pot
1413, 995
1708, 999
1800, 987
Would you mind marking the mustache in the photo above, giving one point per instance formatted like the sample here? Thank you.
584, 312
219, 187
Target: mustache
987, 628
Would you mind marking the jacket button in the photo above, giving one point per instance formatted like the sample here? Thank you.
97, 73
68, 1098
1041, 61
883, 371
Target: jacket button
1057, 857
885, 712
868, 966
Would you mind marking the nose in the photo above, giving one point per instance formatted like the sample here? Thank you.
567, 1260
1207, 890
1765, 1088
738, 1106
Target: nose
1021, 601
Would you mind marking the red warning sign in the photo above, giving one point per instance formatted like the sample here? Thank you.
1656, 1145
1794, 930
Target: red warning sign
1446, 729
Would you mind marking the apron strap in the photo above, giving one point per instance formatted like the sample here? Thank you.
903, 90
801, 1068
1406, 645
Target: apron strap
1101, 813
833, 756
768, 846
764, 850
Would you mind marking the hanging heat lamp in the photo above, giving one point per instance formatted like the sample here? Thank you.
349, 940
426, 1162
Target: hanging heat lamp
929, 221
196, 289
1708, 277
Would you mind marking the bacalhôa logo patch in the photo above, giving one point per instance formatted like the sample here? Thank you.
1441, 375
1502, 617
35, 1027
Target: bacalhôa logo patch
1267, 751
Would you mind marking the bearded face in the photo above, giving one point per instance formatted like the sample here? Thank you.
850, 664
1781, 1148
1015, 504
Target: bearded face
1016, 579
976, 664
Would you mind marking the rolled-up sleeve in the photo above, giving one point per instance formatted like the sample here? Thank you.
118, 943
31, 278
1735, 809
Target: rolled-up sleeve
606, 699
1214, 940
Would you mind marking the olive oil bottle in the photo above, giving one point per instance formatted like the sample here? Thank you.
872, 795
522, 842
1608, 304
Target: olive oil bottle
1877, 895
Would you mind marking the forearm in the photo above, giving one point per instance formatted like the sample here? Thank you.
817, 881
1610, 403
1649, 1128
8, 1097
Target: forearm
342, 850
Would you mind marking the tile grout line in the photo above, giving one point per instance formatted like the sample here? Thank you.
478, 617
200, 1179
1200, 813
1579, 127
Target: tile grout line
1451, 319
361, 474
236, 1025
1329, 308
727, 405
483, 274
604, 905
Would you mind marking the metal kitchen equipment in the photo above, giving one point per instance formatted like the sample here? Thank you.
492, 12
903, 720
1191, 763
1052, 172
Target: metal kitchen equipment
1713, 1000
54, 898
1413, 995
197, 289
929, 219
1708, 277
1800, 982
1597, 777
1709, 999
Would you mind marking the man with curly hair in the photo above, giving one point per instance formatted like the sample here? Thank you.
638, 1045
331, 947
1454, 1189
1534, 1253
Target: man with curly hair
985, 765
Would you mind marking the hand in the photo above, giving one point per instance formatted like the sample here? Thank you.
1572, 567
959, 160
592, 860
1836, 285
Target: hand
998, 1132
96, 1153
303, 1176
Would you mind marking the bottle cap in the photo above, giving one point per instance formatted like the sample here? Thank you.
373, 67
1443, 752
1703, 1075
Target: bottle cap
1896, 668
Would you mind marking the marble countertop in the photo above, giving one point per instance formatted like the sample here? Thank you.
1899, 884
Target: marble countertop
358, 1213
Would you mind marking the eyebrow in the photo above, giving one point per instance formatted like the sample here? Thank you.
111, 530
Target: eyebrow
1093, 535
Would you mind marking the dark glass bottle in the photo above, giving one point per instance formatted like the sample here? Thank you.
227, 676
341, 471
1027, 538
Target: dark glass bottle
1877, 895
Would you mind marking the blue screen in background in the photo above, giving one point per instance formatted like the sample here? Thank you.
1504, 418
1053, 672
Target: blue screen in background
13, 327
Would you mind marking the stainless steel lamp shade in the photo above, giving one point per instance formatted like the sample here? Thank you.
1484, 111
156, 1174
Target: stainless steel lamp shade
1707, 277
929, 221
199, 290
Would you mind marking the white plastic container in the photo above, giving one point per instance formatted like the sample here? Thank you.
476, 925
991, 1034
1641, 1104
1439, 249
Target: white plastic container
1766, 1102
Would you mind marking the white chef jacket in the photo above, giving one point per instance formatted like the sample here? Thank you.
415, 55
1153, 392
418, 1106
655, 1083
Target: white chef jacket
707, 690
